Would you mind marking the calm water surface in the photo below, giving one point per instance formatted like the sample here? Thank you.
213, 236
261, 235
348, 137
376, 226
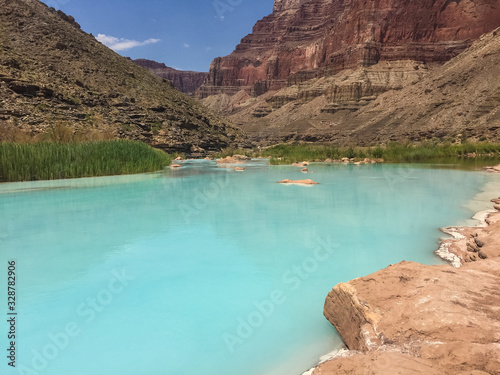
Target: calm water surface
208, 270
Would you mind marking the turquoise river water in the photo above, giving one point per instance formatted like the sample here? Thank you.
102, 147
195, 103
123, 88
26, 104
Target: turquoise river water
206, 270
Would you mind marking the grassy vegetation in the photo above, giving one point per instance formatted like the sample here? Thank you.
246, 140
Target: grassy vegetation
428, 151
49, 160
64, 157
393, 152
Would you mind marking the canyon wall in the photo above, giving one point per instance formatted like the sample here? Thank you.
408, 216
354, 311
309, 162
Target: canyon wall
390, 101
304, 39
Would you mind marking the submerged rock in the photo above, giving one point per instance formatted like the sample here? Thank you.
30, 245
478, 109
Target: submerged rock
493, 169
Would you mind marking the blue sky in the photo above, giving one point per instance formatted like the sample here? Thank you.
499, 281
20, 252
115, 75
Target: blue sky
183, 34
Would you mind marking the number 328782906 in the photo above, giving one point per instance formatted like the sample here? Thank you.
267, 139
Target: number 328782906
11, 285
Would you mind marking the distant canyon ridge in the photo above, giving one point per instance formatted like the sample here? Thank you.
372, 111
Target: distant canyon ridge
322, 70
184, 81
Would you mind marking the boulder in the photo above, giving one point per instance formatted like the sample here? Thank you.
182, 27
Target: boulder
433, 317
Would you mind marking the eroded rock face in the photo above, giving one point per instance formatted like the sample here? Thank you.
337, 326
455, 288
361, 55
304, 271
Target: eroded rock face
304, 39
184, 81
447, 317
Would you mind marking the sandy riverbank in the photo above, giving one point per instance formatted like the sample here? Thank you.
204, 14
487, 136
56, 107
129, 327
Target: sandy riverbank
411, 318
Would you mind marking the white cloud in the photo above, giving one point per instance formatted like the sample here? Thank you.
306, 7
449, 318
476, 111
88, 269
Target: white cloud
122, 44
186, 45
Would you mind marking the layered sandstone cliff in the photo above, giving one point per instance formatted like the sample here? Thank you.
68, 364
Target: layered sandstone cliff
304, 39
415, 319
388, 101
184, 81
353, 72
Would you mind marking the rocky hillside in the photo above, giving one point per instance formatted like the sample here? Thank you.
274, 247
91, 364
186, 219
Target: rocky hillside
313, 68
53, 72
185, 81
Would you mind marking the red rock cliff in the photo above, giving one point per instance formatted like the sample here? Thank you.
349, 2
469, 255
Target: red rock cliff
303, 39
184, 81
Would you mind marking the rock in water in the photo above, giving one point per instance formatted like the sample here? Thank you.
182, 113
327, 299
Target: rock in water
304, 182
233, 159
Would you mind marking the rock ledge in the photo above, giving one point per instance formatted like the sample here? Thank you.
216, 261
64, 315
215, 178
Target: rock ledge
411, 318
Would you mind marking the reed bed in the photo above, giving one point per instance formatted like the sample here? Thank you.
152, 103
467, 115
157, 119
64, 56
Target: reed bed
51, 160
393, 152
